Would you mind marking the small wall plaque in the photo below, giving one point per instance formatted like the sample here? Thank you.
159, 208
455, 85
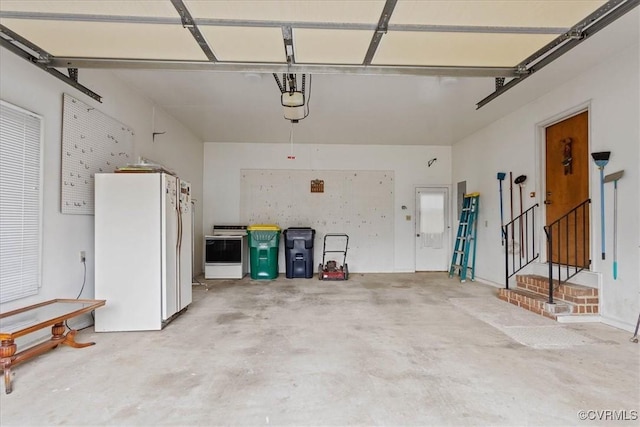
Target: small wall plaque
317, 186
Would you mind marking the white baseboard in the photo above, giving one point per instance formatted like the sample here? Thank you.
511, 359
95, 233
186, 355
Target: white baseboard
618, 324
489, 282
579, 319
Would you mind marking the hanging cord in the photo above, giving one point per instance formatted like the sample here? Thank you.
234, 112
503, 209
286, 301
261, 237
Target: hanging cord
291, 156
84, 281
308, 100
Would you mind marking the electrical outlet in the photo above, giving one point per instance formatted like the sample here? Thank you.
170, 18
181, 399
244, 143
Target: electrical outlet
83, 256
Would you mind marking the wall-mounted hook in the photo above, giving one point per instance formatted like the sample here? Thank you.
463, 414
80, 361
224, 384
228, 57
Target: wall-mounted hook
153, 138
432, 161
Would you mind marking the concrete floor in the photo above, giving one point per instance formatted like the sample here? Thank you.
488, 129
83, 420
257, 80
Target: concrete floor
379, 349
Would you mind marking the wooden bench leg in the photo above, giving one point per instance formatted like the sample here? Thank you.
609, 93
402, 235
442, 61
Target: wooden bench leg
70, 340
7, 350
58, 335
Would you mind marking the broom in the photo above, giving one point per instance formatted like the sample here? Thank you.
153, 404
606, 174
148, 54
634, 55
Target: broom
601, 159
614, 177
501, 176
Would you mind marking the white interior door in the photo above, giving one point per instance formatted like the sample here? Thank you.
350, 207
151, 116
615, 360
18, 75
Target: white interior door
432, 229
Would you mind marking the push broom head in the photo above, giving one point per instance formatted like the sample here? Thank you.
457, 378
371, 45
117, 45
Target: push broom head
601, 158
613, 176
501, 176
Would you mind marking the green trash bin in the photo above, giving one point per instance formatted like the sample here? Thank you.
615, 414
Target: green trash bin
263, 251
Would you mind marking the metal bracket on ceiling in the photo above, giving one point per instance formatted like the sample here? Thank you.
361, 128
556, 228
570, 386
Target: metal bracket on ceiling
381, 29
189, 24
596, 21
73, 74
287, 37
499, 82
22, 47
575, 33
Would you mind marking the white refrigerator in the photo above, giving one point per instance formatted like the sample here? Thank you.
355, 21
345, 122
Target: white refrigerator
142, 250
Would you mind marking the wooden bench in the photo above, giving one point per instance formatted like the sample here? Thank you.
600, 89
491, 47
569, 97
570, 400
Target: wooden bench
23, 321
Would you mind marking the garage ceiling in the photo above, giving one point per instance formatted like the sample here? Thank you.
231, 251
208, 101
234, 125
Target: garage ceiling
462, 39
401, 33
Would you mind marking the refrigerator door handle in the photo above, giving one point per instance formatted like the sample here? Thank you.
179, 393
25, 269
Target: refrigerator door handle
178, 250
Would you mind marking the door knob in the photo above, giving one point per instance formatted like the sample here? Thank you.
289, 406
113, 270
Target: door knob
547, 202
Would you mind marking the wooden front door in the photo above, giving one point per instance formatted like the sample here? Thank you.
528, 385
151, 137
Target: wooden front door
567, 186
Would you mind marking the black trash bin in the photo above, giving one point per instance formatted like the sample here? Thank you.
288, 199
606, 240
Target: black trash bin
298, 252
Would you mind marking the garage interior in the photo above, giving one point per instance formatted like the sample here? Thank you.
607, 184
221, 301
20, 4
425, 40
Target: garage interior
382, 101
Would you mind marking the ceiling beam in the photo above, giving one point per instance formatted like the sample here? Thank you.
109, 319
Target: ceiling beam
188, 23
598, 20
381, 30
40, 58
269, 67
277, 24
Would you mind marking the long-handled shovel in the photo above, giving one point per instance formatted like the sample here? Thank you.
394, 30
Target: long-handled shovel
520, 181
501, 176
609, 178
511, 248
601, 159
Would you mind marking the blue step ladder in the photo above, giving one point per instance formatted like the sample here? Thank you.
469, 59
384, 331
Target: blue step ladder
464, 249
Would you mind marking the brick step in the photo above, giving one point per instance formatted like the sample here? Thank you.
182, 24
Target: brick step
538, 304
569, 292
535, 303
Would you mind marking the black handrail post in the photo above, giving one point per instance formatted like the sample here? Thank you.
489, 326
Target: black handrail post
577, 231
533, 230
550, 261
506, 257
526, 236
567, 245
585, 250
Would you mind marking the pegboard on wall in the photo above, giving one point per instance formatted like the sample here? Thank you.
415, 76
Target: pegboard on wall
92, 142
358, 203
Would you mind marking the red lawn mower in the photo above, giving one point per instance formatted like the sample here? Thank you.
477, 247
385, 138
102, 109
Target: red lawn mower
331, 270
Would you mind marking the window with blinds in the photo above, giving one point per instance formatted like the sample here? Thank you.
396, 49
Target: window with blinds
20, 202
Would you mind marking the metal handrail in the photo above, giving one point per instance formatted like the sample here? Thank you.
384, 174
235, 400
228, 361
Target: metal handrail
565, 233
526, 253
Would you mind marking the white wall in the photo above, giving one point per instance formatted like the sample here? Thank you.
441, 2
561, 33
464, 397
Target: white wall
223, 162
64, 236
611, 91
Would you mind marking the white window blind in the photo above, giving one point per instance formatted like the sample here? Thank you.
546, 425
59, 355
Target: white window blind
20, 202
